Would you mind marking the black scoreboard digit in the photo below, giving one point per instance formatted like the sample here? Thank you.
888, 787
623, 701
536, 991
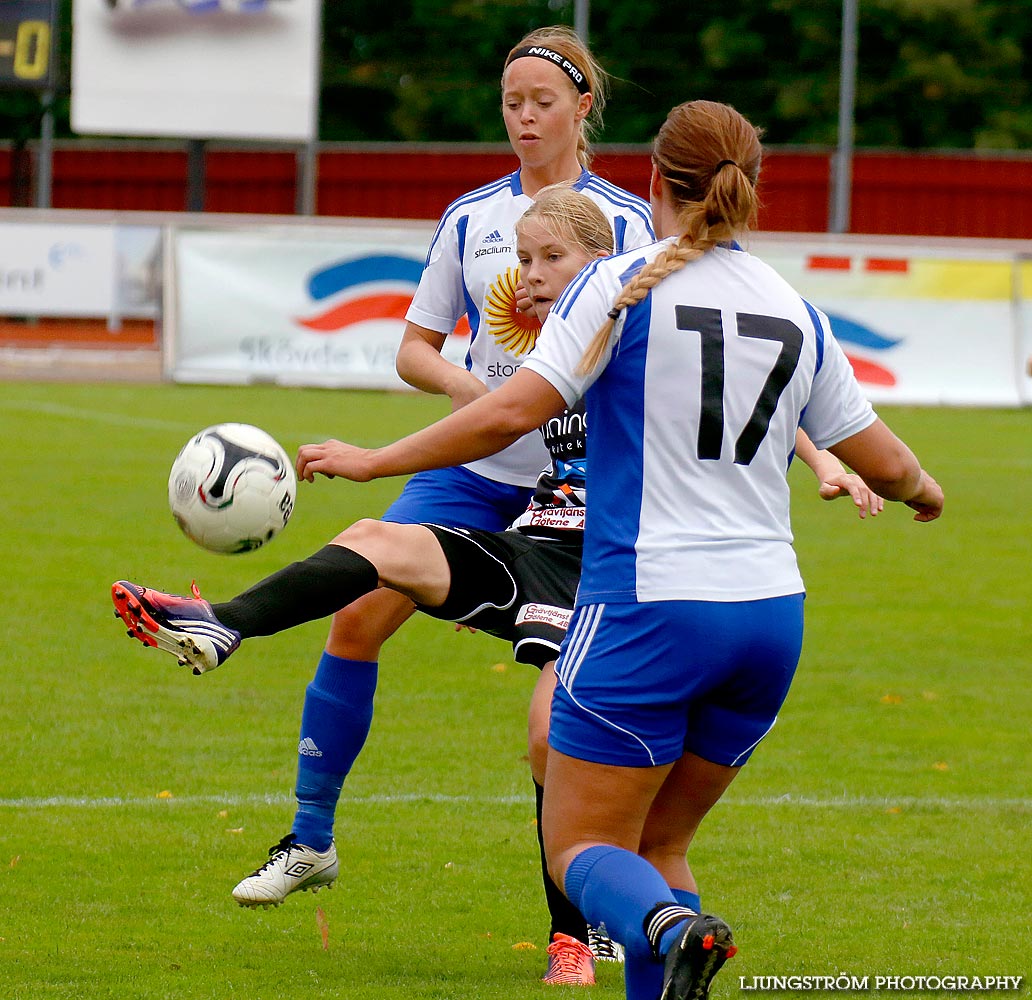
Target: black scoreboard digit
27, 29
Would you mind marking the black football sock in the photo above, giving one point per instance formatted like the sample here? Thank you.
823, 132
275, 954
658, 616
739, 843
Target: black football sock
316, 587
566, 918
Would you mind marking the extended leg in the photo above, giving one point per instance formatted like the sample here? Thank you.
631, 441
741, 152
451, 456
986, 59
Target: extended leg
338, 707
367, 555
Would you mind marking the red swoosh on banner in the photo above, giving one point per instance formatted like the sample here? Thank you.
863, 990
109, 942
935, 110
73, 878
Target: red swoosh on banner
358, 311
366, 308
869, 372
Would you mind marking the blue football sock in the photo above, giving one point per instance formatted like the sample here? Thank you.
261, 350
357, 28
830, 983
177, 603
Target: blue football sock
335, 722
686, 897
643, 975
618, 888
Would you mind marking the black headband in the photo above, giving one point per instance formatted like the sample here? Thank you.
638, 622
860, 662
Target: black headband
580, 81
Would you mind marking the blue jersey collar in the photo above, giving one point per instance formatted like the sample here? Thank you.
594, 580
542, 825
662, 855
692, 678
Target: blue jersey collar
579, 184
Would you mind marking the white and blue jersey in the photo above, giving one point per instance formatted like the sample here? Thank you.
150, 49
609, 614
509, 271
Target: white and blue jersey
472, 270
689, 614
693, 414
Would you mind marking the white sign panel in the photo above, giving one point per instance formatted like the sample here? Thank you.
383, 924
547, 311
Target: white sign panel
919, 326
313, 306
241, 69
1023, 309
297, 306
55, 270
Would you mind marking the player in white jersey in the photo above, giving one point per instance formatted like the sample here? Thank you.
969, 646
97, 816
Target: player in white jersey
552, 92
698, 364
472, 270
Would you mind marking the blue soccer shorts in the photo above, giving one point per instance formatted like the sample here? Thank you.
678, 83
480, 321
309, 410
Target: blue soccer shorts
640, 684
458, 498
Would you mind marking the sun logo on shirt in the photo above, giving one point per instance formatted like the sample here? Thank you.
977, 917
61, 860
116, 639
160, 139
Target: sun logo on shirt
514, 331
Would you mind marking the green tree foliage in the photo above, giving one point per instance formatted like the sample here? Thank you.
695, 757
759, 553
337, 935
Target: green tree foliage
932, 73
426, 71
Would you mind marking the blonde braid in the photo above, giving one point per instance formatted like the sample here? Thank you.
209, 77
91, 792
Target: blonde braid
697, 239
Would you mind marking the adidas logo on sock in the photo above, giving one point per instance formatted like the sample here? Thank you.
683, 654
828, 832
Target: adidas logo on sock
307, 748
495, 237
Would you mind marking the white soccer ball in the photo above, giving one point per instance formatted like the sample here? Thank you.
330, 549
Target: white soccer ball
232, 488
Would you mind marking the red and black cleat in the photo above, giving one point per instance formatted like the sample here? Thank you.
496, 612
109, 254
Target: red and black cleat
696, 957
186, 627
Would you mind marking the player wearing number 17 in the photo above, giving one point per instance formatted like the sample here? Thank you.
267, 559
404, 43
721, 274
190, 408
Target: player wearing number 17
697, 364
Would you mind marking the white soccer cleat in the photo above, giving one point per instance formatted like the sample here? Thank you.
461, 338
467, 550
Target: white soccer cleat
602, 946
291, 867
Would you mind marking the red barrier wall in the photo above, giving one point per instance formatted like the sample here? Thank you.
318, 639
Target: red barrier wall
910, 194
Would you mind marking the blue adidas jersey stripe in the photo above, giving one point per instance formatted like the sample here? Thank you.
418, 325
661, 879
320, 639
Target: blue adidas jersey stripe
565, 301
480, 194
618, 196
569, 295
818, 328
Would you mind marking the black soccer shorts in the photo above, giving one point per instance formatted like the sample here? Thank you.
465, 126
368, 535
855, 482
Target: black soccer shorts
509, 585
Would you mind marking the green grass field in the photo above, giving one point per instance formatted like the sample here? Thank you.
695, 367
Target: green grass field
882, 829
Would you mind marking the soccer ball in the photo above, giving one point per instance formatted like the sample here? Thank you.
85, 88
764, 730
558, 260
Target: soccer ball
232, 488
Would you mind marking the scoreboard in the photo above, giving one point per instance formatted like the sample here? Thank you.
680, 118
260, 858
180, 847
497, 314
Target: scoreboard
27, 30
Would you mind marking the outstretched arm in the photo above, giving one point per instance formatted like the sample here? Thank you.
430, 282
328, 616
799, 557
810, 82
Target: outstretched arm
889, 467
483, 427
835, 481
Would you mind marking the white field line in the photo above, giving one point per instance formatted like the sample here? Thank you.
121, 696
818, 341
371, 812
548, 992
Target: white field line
845, 802
116, 419
95, 416
137, 420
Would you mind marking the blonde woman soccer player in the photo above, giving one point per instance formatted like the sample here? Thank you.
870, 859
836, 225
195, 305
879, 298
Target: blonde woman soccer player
698, 364
552, 94
518, 584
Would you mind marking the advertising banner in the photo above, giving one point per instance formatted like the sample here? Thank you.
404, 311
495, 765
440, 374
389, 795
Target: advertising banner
297, 306
57, 270
1024, 326
87, 271
239, 69
920, 325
